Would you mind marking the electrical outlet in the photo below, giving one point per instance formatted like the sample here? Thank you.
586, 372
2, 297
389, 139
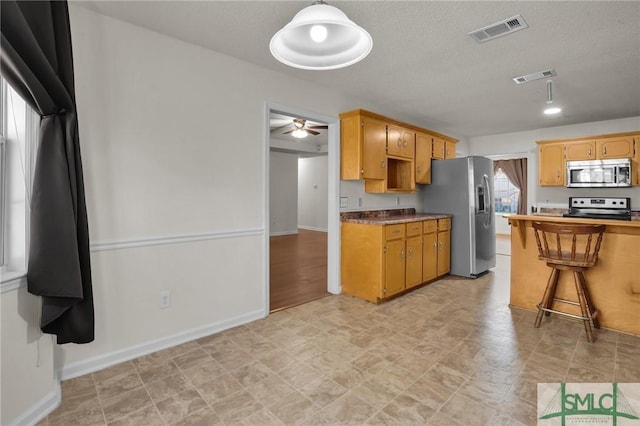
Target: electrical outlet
344, 202
165, 299
397, 201
359, 201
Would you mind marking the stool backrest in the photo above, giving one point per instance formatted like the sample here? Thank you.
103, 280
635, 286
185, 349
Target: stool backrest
581, 254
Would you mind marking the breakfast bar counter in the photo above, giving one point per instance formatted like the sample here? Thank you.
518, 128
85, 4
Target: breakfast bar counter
614, 283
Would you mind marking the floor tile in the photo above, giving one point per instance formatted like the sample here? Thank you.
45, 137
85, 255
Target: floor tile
293, 408
322, 391
351, 410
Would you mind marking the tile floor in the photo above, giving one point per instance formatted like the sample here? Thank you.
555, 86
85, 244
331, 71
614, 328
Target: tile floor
450, 353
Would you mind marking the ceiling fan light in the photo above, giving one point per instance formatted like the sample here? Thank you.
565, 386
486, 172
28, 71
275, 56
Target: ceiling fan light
299, 133
320, 37
552, 110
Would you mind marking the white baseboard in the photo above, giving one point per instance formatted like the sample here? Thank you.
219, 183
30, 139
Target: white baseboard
279, 233
40, 409
91, 365
311, 228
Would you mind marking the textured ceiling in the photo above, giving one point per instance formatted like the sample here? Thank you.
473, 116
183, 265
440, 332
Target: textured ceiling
424, 67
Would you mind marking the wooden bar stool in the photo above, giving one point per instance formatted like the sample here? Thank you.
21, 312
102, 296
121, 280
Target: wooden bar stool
579, 259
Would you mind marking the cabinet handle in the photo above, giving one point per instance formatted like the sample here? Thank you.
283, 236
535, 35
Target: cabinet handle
440, 245
604, 150
589, 154
361, 171
402, 254
399, 142
405, 143
395, 231
410, 252
418, 169
382, 164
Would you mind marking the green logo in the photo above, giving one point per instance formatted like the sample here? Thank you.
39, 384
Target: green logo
587, 404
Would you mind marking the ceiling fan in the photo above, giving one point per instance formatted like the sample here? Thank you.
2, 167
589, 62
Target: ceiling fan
299, 128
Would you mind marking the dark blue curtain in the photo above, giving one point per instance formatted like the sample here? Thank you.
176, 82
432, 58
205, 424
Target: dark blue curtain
37, 61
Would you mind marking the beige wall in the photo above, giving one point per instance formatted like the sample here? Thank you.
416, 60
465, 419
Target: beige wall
26, 358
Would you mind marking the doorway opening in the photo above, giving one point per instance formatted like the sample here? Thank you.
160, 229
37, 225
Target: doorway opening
302, 217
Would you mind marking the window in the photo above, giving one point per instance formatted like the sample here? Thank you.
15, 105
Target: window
18, 139
506, 195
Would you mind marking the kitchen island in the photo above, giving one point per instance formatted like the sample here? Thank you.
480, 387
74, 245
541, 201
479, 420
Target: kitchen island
614, 283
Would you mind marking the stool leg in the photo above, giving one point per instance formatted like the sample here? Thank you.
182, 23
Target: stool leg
583, 304
549, 293
592, 309
552, 294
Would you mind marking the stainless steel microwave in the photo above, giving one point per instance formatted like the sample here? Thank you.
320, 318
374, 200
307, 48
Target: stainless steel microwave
612, 173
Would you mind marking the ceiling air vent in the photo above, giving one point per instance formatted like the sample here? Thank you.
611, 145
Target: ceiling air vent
507, 26
535, 76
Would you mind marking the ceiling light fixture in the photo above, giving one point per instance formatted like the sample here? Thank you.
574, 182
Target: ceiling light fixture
551, 110
299, 133
320, 37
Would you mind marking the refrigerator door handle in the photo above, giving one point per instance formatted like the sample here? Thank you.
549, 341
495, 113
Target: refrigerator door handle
488, 200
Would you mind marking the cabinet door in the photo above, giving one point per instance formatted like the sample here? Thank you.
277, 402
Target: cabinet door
444, 252
363, 144
429, 256
615, 147
439, 149
635, 164
394, 140
374, 162
400, 141
551, 165
449, 150
581, 150
423, 158
408, 143
414, 261
394, 267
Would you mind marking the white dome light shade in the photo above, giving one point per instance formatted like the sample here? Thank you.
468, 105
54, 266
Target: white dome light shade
302, 43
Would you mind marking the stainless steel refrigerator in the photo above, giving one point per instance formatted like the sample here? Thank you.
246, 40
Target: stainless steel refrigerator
463, 187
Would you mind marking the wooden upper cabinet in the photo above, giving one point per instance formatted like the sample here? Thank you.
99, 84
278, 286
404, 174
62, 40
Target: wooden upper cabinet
635, 162
443, 149
439, 149
449, 149
400, 141
580, 150
423, 158
363, 143
616, 147
551, 164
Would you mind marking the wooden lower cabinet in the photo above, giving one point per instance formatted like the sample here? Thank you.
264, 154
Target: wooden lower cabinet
444, 246
381, 261
430, 251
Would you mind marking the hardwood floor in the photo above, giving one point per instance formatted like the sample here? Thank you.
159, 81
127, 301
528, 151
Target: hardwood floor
298, 269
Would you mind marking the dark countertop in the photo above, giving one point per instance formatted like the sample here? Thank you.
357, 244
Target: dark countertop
389, 217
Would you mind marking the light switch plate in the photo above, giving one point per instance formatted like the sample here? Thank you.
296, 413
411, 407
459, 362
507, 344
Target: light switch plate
344, 202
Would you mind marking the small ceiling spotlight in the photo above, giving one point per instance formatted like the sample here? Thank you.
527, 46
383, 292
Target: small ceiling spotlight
551, 110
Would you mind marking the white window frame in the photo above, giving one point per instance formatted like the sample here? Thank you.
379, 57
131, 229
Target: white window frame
11, 274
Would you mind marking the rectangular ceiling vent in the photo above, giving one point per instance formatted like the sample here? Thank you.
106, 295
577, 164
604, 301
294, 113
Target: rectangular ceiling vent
535, 76
507, 26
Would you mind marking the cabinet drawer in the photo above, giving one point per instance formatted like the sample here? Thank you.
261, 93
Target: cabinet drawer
393, 232
414, 228
429, 226
444, 224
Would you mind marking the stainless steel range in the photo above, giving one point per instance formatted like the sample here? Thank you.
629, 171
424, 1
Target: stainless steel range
618, 208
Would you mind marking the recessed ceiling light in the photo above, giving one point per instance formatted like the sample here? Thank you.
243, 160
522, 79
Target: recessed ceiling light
552, 110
